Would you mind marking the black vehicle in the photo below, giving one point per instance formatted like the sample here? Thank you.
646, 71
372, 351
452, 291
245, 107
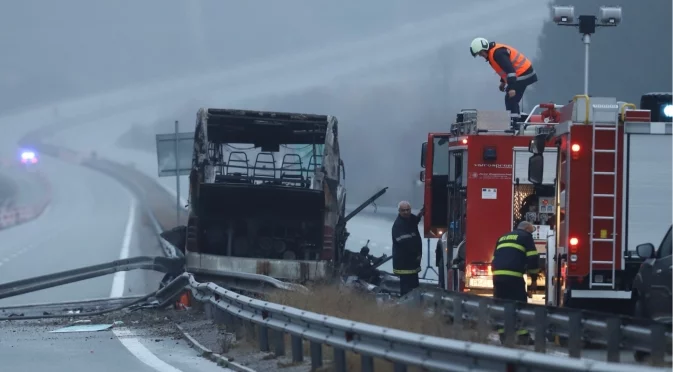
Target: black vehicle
652, 285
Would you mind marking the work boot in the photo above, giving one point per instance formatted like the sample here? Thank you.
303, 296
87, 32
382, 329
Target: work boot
514, 121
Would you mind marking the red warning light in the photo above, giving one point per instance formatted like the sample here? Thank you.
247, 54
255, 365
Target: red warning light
575, 151
464, 141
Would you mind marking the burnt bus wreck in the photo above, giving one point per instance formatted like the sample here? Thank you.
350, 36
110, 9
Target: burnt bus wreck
267, 195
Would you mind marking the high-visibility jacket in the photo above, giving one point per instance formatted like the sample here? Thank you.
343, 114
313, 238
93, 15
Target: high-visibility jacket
520, 63
515, 254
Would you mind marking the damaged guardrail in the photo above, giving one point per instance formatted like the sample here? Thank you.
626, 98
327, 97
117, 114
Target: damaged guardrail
546, 323
369, 341
270, 323
161, 264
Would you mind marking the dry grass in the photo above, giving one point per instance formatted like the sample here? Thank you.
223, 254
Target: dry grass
343, 302
346, 303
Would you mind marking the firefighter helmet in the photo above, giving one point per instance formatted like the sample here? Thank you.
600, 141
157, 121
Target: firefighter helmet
478, 45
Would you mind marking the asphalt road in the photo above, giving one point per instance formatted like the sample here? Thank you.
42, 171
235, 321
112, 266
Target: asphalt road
92, 219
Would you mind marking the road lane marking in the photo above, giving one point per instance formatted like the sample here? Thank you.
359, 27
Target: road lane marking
119, 279
132, 344
125, 336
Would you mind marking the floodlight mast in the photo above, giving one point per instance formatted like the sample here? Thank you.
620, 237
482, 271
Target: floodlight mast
609, 16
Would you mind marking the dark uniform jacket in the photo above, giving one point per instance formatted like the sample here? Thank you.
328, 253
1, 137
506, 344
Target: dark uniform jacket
515, 254
407, 245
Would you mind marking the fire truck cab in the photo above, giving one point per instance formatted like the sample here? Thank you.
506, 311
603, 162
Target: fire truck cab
612, 191
477, 172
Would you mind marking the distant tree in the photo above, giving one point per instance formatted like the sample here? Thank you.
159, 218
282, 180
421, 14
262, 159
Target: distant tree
625, 62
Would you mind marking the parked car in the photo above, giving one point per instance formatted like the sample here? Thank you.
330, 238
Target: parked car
652, 285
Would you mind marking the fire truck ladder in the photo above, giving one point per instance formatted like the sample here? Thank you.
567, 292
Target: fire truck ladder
610, 126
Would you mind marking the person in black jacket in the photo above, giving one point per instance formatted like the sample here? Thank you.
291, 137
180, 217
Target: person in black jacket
407, 247
515, 255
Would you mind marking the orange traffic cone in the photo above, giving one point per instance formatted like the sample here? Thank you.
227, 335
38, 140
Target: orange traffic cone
184, 302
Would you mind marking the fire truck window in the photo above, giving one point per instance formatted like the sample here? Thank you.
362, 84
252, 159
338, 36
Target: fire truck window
458, 168
440, 157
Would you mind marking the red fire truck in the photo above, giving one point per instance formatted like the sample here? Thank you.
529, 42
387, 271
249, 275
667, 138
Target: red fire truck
612, 191
478, 173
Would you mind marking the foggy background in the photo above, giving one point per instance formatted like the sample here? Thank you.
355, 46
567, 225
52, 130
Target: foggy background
53, 50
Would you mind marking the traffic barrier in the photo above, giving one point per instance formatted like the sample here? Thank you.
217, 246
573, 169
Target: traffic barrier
614, 333
268, 323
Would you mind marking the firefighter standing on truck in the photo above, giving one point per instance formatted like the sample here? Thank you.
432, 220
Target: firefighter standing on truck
515, 70
407, 247
515, 255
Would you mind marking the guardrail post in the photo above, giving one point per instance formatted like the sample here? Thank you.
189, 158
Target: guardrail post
316, 355
575, 334
457, 314
249, 328
297, 349
658, 344
339, 360
540, 329
510, 324
279, 343
366, 363
263, 338
614, 338
482, 320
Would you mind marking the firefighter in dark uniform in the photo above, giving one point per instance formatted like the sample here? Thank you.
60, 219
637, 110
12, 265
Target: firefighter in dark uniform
515, 255
407, 247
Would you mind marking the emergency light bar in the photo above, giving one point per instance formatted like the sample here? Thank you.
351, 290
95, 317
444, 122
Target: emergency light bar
660, 104
668, 111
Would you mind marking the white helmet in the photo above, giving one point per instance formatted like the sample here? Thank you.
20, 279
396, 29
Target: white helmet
478, 45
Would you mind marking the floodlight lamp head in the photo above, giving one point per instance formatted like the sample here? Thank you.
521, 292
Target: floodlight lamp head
610, 15
563, 15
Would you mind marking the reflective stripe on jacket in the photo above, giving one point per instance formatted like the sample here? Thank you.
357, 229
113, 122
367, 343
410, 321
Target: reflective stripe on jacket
520, 63
515, 254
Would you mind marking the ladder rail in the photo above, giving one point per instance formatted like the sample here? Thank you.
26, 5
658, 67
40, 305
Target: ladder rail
613, 126
593, 192
614, 201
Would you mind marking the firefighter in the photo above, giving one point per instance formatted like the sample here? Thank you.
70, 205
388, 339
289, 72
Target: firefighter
407, 247
515, 255
515, 70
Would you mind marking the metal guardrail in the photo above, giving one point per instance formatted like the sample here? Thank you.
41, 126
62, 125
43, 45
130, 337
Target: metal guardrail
161, 264
544, 322
370, 341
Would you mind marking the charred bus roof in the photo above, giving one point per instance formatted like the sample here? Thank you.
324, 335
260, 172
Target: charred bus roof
266, 129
